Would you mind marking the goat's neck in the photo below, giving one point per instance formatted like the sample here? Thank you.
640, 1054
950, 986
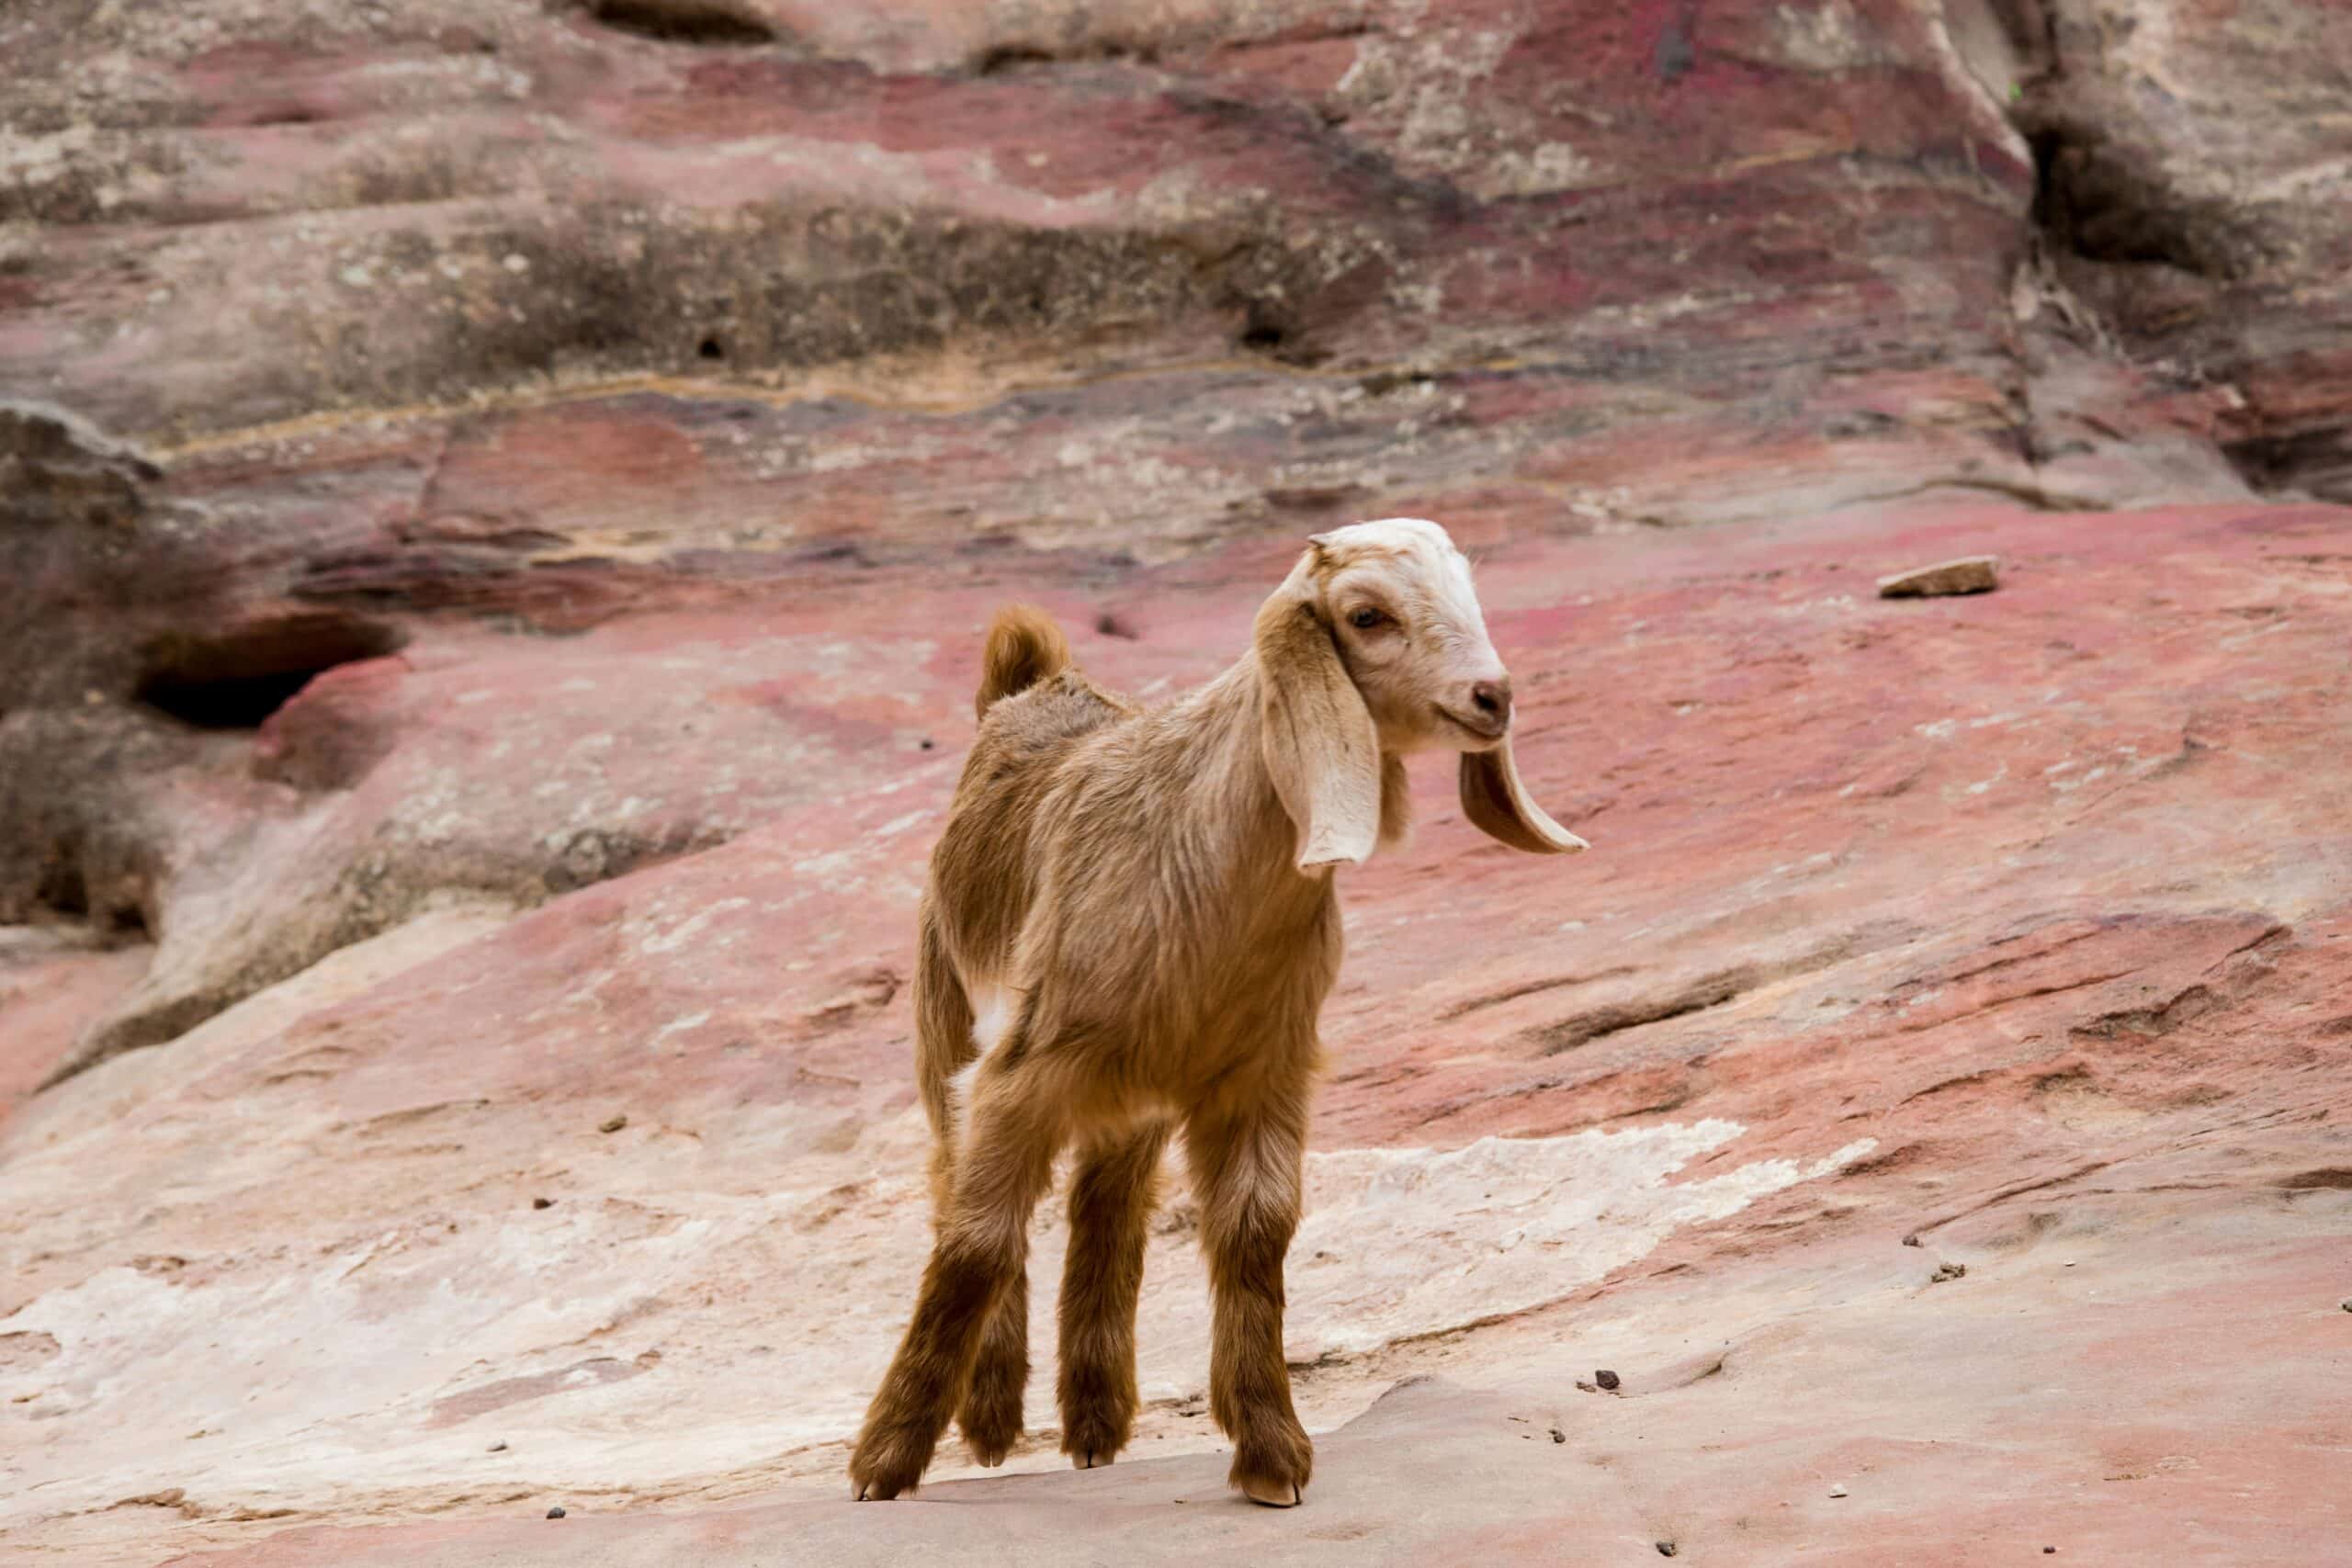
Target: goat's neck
1235, 812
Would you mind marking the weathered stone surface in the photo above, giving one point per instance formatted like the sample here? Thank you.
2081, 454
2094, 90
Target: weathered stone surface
53, 979
497, 507
1969, 574
2012, 922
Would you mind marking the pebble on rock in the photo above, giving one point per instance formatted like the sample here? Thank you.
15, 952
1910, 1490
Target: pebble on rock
1665, 1548
542, 1203
556, 1512
1837, 1491
1606, 1380
613, 1124
1948, 1271
499, 1447
1969, 574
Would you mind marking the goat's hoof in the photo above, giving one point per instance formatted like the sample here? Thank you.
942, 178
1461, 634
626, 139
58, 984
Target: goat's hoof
987, 1452
1272, 1463
882, 1468
1273, 1493
1090, 1460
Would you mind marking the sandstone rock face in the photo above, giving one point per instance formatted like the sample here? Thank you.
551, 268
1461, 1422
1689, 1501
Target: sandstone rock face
498, 506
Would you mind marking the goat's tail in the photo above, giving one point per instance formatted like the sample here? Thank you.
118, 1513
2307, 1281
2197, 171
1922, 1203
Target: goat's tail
1024, 648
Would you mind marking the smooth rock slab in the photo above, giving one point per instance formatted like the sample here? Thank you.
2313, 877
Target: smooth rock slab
1431, 1473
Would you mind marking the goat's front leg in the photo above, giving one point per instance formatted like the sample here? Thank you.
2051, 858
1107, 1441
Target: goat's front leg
1246, 1168
1001, 1169
1110, 1215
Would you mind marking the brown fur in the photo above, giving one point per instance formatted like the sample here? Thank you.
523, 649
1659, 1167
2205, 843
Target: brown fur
1147, 893
1025, 647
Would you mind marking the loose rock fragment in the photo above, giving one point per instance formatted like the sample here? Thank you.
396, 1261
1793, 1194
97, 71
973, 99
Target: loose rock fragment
542, 1203
1558, 1435
1948, 1271
1837, 1491
556, 1512
1606, 1378
1969, 574
612, 1124
499, 1447
1665, 1548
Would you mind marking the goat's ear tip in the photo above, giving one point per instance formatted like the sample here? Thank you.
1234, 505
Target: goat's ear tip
1555, 840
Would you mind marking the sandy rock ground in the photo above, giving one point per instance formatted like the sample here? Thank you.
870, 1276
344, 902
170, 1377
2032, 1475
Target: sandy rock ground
2011, 924
497, 507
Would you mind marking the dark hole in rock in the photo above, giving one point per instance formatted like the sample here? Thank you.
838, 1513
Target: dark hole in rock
2094, 201
1266, 337
64, 889
1010, 57
711, 348
237, 678
683, 21
2318, 461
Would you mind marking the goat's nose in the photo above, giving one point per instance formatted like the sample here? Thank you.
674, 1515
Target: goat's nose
1493, 699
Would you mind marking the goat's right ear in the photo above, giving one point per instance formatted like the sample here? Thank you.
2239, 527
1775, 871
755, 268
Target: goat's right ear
1318, 738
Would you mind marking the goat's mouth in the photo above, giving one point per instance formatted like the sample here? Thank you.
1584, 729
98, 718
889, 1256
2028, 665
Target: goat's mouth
1487, 729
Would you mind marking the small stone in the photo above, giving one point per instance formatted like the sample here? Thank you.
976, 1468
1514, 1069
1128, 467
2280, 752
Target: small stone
556, 1512
612, 1124
1585, 1385
1948, 1271
1606, 1380
1665, 1548
499, 1447
542, 1203
1911, 1240
1837, 1491
2049, 1552
1969, 574
2345, 1303
1558, 1435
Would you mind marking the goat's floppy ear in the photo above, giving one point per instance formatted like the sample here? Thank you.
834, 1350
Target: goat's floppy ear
1317, 736
1498, 804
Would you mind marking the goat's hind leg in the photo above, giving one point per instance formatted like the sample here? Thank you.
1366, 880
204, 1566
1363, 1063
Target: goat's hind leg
990, 1413
1110, 1214
1002, 1167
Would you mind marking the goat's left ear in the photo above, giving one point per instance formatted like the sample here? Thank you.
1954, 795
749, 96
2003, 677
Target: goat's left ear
1498, 804
1317, 735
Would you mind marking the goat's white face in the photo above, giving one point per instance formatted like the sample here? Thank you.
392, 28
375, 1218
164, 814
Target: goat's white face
1397, 597
1374, 643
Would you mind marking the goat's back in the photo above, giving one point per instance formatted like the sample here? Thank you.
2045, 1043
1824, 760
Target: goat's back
981, 879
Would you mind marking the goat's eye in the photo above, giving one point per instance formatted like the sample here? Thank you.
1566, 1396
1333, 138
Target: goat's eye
1363, 620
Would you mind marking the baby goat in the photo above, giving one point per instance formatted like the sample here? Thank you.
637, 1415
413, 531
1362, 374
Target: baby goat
1131, 925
